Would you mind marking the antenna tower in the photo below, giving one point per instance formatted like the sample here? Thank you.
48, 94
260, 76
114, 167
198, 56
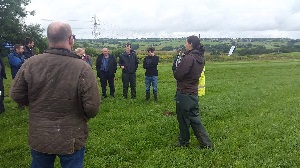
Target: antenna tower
95, 32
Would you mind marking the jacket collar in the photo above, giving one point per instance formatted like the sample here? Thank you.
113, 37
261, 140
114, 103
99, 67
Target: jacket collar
62, 52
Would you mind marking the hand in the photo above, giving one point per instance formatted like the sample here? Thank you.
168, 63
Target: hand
122, 67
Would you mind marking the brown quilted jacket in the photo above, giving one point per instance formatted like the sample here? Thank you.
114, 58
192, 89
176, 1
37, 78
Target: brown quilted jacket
62, 94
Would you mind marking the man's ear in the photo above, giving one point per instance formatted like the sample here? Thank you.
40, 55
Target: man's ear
71, 41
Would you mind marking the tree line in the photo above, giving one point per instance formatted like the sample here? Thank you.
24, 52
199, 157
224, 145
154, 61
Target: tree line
13, 29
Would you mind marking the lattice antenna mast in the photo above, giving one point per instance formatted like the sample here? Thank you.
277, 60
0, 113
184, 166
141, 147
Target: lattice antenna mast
96, 33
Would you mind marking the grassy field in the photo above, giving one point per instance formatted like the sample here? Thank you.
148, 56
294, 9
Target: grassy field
250, 110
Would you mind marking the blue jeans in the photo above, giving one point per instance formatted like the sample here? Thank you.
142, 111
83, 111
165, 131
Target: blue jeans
151, 80
43, 160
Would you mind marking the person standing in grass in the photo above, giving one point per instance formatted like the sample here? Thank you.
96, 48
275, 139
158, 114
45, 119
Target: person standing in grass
28, 48
129, 63
16, 59
187, 75
2, 77
106, 66
62, 94
151, 75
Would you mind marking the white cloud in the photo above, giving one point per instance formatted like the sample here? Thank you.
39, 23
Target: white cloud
211, 18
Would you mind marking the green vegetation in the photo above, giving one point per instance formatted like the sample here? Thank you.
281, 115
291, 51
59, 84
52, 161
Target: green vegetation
13, 29
250, 111
215, 47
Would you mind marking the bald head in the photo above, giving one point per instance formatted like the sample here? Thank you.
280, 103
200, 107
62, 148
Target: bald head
105, 52
59, 34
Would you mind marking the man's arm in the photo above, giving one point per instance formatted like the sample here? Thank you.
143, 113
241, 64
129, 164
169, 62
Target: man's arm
155, 63
3, 74
14, 61
19, 88
98, 65
121, 61
136, 62
146, 63
115, 66
183, 68
89, 93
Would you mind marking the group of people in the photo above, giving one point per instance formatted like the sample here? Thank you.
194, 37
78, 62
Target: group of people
81, 53
19, 55
62, 94
106, 66
15, 59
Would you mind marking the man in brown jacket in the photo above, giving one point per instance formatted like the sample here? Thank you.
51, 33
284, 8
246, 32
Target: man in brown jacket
62, 95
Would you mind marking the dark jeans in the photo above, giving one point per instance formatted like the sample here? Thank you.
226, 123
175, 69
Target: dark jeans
106, 78
2, 109
43, 160
187, 110
129, 78
151, 80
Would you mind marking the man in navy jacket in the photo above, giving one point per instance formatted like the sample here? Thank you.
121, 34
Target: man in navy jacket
16, 59
106, 66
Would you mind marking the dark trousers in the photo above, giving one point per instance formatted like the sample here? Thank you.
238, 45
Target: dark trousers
43, 160
187, 110
110, 79
2, 109
129, 79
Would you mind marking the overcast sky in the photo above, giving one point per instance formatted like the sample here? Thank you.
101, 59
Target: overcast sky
172, 18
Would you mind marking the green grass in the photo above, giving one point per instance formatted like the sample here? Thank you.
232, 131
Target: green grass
250, 110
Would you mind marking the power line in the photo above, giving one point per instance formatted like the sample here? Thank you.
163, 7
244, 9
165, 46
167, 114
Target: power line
108, 28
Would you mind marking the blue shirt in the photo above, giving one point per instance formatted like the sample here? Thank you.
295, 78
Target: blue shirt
104, 66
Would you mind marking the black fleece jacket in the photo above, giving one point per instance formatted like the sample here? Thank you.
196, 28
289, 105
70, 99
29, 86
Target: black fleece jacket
129, 61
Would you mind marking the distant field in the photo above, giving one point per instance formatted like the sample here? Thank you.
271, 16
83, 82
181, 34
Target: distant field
250, 110
214, 46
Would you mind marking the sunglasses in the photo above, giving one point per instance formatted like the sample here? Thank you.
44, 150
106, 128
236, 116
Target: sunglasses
74, 36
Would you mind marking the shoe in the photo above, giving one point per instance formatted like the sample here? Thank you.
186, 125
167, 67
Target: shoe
104, 96
206, 147
182, 145
147, 96
155, 97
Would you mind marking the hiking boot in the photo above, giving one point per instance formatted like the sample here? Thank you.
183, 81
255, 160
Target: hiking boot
155, 97
147, 96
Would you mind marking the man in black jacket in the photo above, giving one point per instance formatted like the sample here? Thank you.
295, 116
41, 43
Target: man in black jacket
106, 66
129, 63
28, 48
151, 75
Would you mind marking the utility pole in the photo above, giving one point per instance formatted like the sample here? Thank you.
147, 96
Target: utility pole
95, 32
